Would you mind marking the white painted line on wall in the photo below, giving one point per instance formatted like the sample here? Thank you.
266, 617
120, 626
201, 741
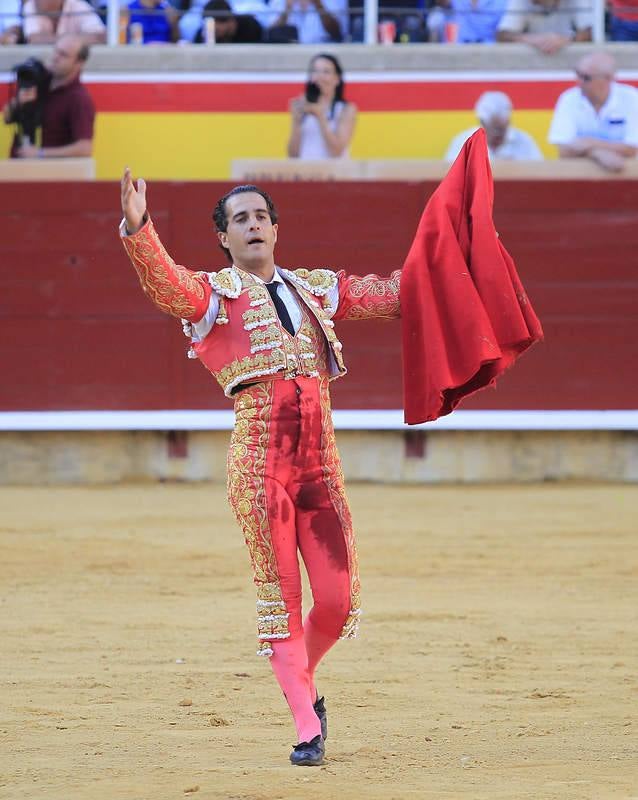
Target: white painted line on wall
196, 420
420, 76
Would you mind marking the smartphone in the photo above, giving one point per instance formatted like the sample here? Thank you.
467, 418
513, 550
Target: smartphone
312, 92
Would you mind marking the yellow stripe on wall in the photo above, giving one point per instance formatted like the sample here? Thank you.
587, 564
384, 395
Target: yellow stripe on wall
6, 137
537, 123
185, 146
427, 134
192, 146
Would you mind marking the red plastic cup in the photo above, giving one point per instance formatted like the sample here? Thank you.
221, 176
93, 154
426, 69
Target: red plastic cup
451, 32
387, 32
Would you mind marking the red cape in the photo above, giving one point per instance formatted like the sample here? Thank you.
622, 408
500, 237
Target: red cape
465, 315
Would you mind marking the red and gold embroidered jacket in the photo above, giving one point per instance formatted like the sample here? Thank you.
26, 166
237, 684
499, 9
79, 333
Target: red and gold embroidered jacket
247, 341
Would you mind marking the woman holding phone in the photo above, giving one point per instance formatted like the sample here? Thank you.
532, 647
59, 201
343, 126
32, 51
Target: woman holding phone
322, 119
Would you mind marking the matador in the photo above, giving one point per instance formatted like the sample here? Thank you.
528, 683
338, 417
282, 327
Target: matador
267, 335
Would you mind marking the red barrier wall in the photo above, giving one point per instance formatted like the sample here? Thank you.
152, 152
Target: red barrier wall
76, 332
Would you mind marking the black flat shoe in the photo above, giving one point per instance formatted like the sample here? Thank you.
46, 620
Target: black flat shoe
309, 754
320, 711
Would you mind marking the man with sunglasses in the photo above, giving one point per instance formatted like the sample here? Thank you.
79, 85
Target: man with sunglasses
598, 118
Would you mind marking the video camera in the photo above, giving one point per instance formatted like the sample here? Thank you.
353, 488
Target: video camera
31, 74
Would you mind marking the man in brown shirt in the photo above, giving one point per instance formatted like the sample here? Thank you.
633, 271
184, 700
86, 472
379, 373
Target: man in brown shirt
68, 113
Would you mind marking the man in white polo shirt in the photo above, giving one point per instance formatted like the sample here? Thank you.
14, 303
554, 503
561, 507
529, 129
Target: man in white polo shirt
598, 119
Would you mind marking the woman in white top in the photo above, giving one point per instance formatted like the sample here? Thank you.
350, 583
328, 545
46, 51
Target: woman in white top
322, 127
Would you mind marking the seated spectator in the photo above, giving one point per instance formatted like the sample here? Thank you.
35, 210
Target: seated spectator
477, 20
408, 17
598, 119
439, 16
47, 20
157, 18
322, 120
547, 25
259, 9
10, 22
64, 109
230, 28
316, 20
623, 19
494, 112
191, 22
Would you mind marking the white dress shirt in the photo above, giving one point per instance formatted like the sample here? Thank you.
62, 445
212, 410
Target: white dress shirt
617, 120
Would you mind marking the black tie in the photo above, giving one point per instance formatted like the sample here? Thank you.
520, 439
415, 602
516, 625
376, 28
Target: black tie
282, 311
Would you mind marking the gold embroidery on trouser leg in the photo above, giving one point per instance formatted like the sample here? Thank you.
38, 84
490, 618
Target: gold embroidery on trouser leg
247, 498
272, 617
333, 478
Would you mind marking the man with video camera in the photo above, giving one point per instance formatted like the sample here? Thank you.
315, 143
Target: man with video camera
52, 111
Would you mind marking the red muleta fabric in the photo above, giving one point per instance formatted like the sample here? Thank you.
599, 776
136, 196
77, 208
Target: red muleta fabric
465, 316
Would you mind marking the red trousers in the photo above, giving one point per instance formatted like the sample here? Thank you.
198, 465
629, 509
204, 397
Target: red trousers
285, 486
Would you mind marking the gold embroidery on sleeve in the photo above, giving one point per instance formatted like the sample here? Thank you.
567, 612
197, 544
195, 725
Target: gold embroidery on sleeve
155, 269
379, 297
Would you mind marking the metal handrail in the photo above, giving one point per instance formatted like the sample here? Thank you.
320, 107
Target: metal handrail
371, 10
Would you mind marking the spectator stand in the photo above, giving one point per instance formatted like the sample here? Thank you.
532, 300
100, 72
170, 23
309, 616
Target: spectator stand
368, 18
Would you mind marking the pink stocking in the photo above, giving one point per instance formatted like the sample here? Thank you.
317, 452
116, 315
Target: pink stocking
317, 645
290, 665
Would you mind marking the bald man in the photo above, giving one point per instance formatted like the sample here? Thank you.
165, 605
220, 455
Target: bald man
598, 118
67, 111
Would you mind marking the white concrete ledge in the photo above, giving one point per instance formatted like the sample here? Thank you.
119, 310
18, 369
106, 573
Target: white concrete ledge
253, 170
47, 169
354, 420
264, 58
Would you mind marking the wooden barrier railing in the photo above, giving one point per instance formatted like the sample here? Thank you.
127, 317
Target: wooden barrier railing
342, 169
76, 331
47, 169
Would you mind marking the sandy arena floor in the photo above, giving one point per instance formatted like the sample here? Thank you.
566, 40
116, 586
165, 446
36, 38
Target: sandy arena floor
498, 655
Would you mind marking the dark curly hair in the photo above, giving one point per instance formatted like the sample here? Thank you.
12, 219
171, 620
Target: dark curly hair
221, 219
